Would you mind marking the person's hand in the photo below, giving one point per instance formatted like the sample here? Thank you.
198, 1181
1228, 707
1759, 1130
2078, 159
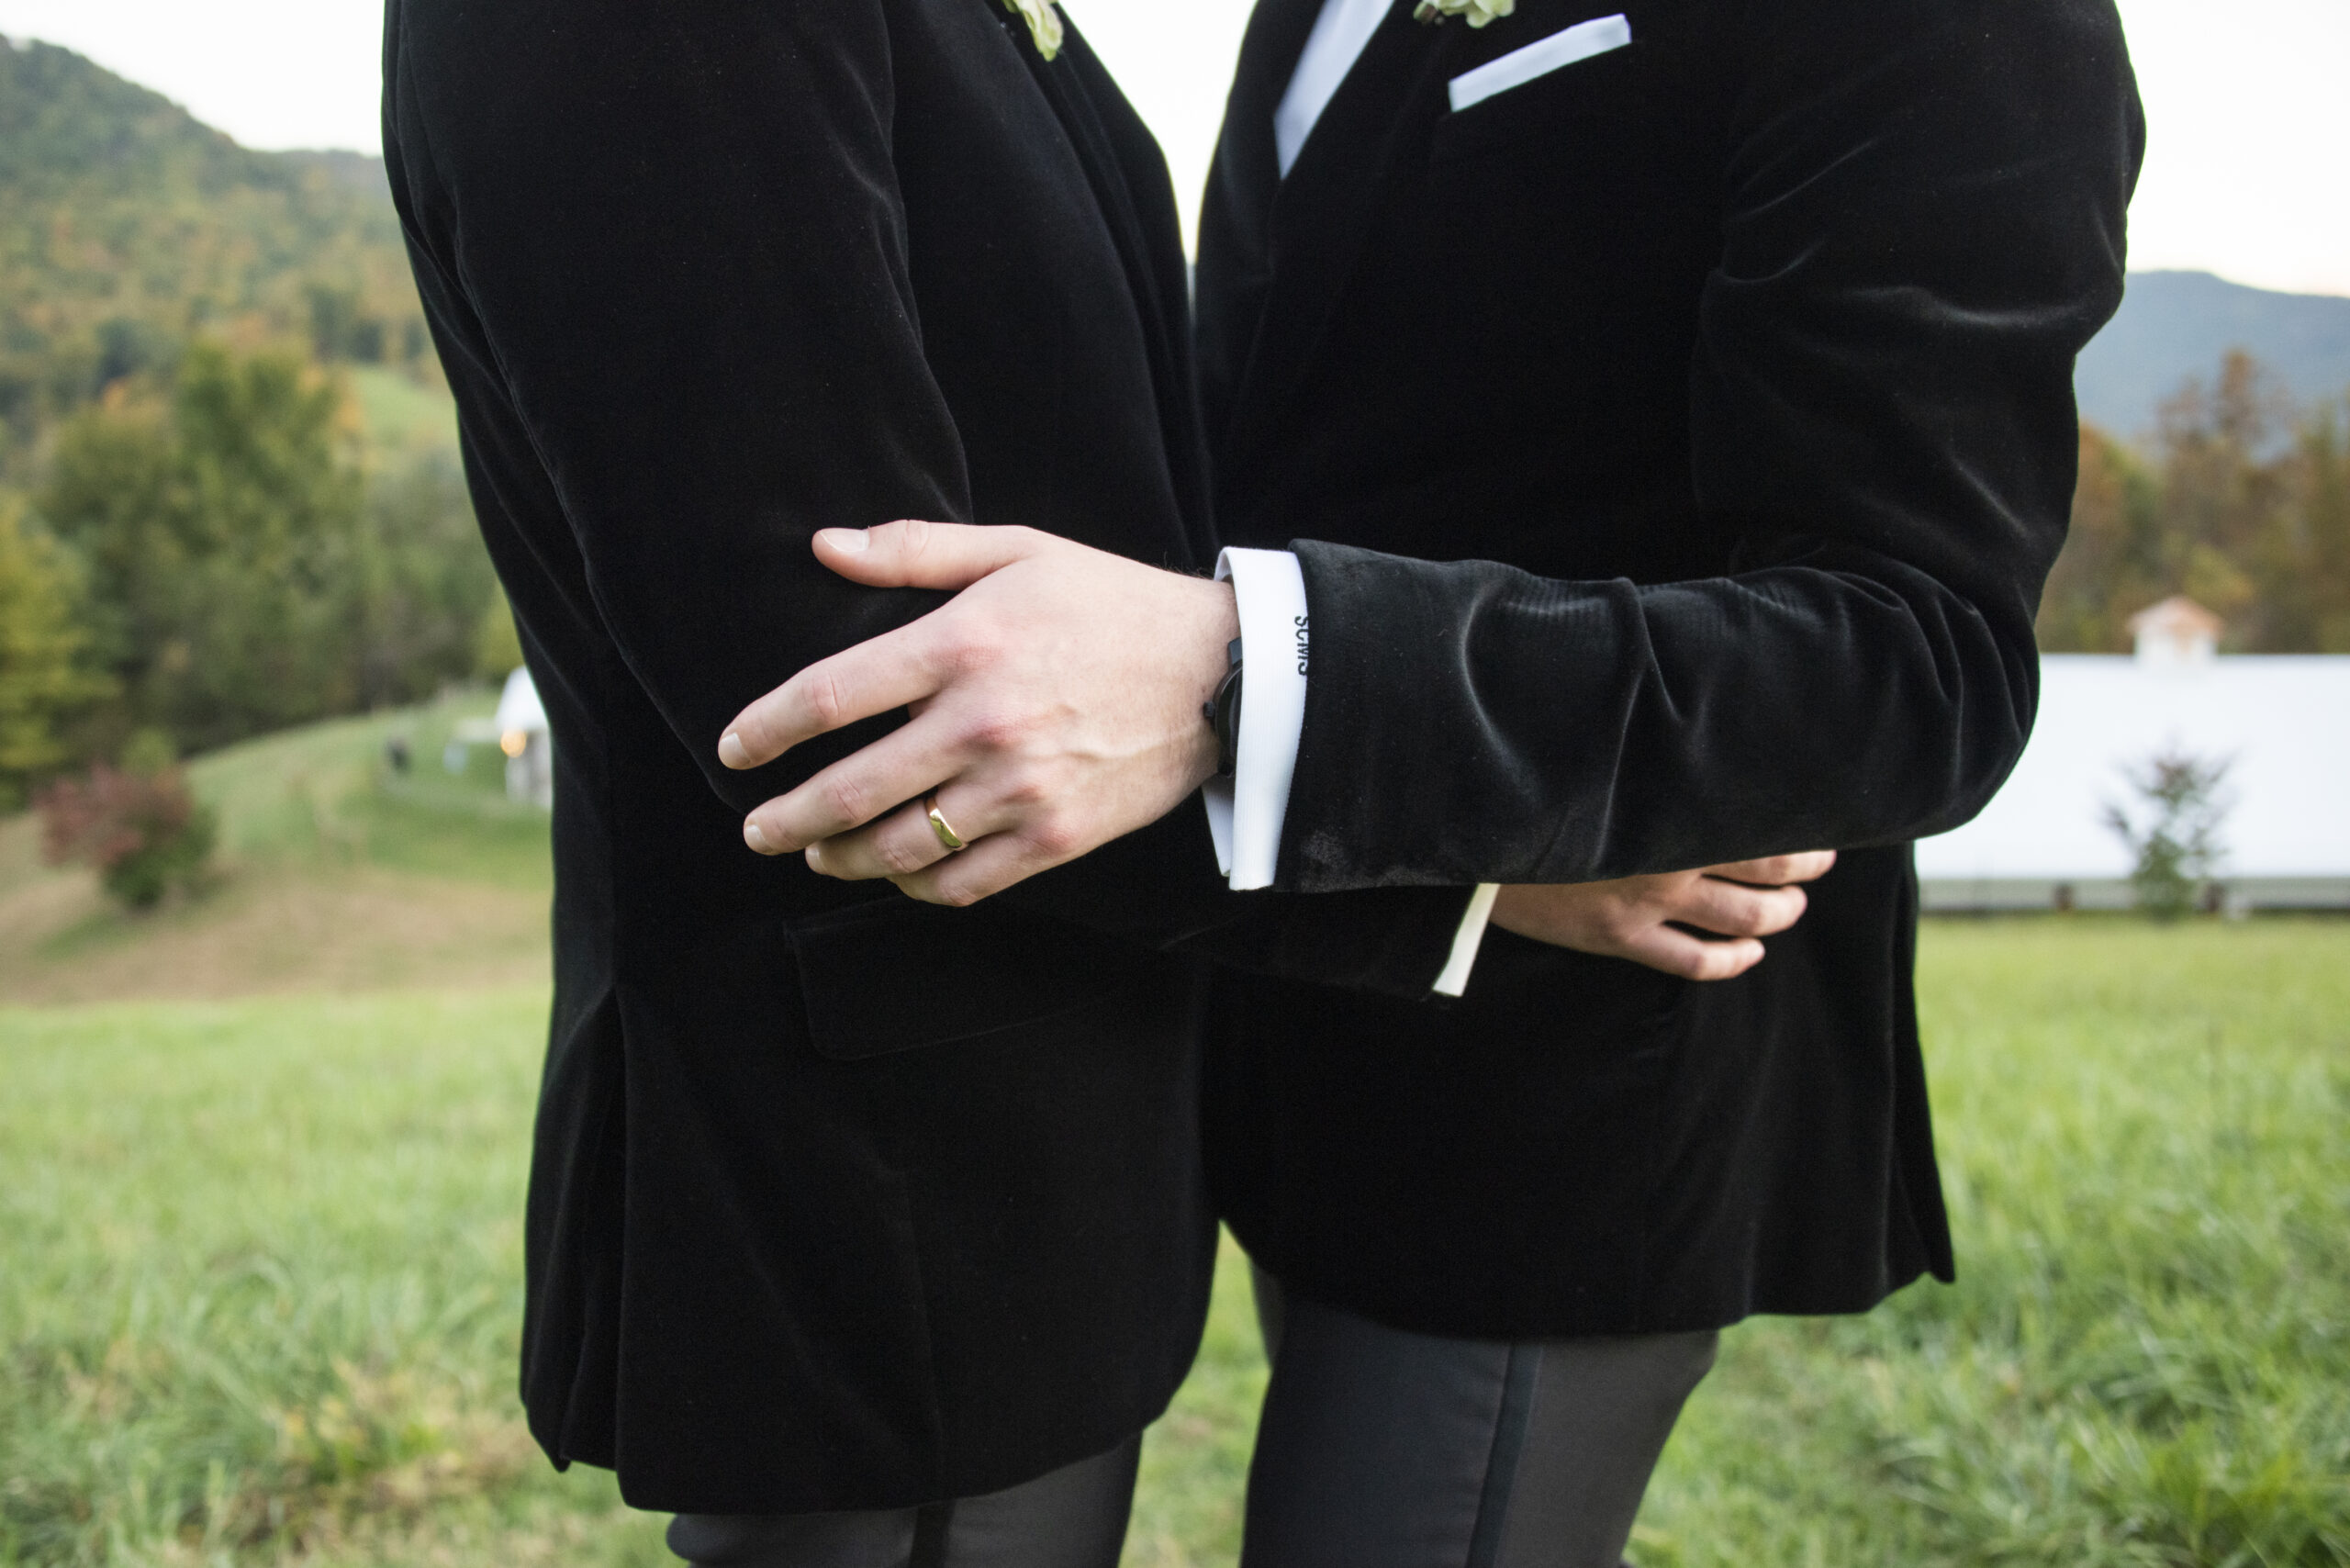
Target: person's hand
1638, 917
1057, 706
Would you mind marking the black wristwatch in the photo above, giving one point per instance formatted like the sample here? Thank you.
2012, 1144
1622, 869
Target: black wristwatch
1223, 713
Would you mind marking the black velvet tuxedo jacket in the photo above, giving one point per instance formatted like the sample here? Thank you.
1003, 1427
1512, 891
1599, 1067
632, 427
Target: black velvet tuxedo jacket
1674, 446
839, 1201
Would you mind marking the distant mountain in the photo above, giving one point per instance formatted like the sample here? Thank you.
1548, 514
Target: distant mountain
2175, 324
127, 226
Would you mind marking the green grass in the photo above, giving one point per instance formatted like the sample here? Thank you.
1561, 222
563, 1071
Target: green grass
2146, 1360
400, 415
261, 1288
258, 1288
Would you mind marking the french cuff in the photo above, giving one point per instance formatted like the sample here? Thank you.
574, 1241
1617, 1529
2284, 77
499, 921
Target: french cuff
1246, 811
1454, 979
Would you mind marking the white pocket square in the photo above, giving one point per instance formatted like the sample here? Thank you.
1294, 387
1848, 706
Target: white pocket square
1539, 59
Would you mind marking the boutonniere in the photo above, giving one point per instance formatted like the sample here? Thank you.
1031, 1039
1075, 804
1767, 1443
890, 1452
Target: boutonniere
1479, 12
1045, 23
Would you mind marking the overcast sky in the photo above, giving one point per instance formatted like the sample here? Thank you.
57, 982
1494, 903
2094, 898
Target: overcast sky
2248, 103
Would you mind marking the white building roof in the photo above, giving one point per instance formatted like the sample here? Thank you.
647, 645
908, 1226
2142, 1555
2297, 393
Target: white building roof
519, 707
2284, 721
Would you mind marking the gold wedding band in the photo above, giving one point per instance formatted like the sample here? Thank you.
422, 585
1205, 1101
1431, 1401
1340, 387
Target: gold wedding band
947, 835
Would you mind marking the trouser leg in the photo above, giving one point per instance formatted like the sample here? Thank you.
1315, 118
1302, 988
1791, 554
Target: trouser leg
1602, 1409
1384, 1449
1072, 1518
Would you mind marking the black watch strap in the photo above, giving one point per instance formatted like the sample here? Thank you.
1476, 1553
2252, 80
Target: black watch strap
1223, 713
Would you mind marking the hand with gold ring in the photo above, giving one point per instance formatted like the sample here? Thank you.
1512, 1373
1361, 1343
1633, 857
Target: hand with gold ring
1044, 734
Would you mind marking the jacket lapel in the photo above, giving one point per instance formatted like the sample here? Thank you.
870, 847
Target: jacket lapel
1269, 51
1150, 247
1236, 213
1317, 218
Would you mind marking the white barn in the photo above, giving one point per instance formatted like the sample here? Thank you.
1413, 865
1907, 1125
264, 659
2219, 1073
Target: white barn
2281, 724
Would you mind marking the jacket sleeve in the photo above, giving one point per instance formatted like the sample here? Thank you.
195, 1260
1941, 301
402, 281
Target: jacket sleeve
666, 257
1923, 213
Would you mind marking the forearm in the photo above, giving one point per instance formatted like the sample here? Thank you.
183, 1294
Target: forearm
1470, 723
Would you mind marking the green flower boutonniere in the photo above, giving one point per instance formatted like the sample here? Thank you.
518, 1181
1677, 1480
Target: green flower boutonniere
1479, 12
1045, 23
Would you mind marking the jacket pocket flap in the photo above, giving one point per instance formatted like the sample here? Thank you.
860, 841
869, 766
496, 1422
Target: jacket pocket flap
892, 974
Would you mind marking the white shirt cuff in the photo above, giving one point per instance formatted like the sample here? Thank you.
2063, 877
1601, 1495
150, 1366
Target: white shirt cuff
1245, 812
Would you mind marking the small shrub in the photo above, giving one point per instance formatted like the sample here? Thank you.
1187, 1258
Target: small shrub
2177, 848
142, 829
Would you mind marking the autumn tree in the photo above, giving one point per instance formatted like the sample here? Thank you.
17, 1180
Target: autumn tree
2225, 488
2303, 568
2113, 562
2241, 506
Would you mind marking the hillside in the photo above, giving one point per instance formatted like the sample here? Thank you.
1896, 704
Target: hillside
2175, 324
336, 873
126, 226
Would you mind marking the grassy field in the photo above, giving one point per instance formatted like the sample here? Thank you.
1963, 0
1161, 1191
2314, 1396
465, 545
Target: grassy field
259, 1234
260, 1291
2146, 1359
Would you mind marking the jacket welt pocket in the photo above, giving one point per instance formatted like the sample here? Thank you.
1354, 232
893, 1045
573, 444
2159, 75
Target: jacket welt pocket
1553, 106
892, 975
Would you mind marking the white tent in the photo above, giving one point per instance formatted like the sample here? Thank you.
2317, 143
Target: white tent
521, 724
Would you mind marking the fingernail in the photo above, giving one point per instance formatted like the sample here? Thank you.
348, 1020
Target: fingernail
733, 752
848, 540
753, 837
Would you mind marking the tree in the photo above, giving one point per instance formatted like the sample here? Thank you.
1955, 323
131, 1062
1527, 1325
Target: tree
2225, 489
2304, 567
223, 530
2177, 847
497, 646
426, 583
139, 825
45, 676
2113, 562
2243, 506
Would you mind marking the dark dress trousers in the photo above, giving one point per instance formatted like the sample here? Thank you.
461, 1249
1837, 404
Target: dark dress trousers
838, 1201
1674, 446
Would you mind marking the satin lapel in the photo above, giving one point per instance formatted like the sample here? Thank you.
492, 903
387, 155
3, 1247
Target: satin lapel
1322, 210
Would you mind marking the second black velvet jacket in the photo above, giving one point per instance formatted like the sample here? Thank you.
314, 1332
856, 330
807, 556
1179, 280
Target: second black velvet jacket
1676, 444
